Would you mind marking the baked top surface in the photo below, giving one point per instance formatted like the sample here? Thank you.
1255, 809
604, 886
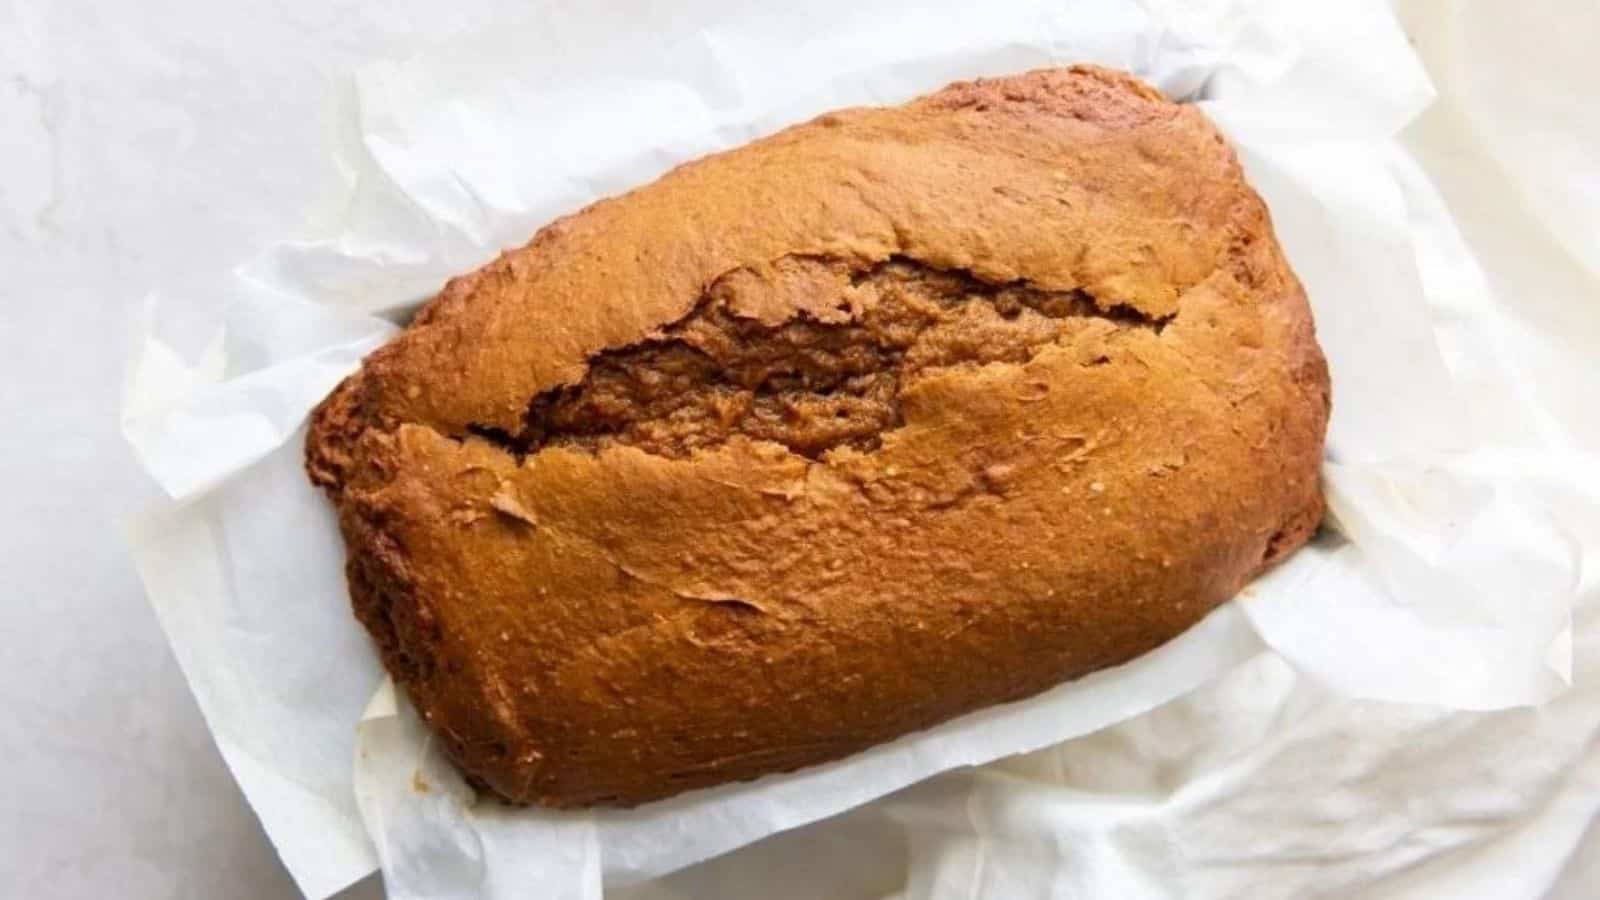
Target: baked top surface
892, 415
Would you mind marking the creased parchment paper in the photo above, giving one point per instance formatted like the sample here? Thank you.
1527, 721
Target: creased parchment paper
1447, 579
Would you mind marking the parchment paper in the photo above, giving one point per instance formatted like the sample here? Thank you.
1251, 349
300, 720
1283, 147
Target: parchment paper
1447, 580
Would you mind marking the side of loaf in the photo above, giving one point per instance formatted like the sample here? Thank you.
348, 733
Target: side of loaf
888, 417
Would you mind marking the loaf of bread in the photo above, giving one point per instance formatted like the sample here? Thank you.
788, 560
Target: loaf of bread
893, 415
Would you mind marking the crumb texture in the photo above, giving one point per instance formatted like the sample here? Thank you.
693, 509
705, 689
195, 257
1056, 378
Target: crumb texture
828, 376
888, 417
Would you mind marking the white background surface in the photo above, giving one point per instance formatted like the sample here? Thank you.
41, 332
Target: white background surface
122, 172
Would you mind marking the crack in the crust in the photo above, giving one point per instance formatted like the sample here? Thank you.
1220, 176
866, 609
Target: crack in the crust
827, 372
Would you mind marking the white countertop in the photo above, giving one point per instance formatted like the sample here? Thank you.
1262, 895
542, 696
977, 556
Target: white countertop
147, 147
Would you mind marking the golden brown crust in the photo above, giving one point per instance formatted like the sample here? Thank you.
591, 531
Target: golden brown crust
609, 540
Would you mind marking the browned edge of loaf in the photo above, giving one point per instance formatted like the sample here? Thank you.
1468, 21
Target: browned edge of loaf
469, 371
